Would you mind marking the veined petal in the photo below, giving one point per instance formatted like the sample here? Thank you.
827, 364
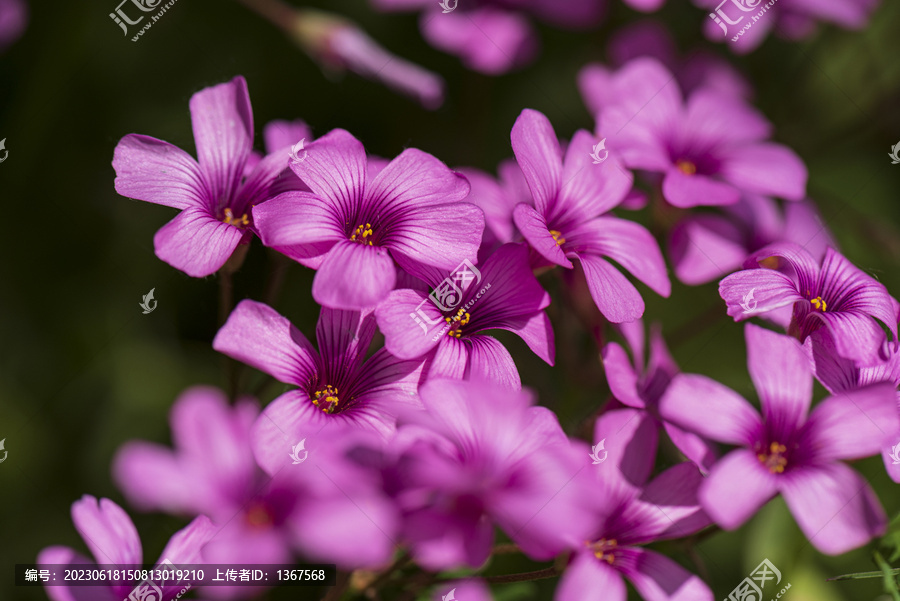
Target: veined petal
437, 235
335, 170
414, 179
537, 332
756, 291
696, 448
537, 151
658, 578
792, 258
410, 322
834, 507
185, 545
853, 424
155, 171
354, 276
781, 374
536, 232
710, 409
107, 531
620, 376
344, 338
589, 579
856, 336
196, 243
849, 288
514, 291
488, 360
259, 336
737, 487
834, 372
614, 295
668, 506
260, 184
631, 437
223, 132
626, 242
298, 224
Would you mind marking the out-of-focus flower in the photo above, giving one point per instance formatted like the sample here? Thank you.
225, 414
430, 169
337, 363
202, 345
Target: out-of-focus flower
337, 383
568, 219
648, 38
498, 198
112, 538
13, 20
480, 456
471, 589
641, 386
707, 246
215, 193
352, 229
708, 150
261, 519
793, 19
629, 511
837, 295
787, 449
507, 296
494, 36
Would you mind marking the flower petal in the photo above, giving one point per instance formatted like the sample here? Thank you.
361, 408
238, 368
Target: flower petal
668, 506
737, 486
415, 179
588, 579
620, 376
299, 225
756, 291
280, 134
631, 437
658, 578
223, 133
781, 374
354, 276
834, 507
537, 151
685, 191
488, 360
786, 174
705, 247
411, 324
438, 235
107, 531
335, 170
196, 243
696, 448
857, 336
534, 228
614, 295
344, 338
710, 409
259, 336
151, 478
155, 171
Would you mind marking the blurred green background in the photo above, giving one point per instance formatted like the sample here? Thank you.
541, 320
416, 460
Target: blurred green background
82, 370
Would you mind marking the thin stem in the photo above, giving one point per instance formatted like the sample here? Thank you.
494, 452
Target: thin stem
278, 268
505, 548
524, 576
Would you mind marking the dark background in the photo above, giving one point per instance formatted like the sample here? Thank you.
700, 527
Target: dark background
82, 370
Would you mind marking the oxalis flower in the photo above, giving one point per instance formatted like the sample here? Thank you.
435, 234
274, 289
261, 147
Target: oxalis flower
788, 450
505, 295
335, 383
352, 226
836, 295
568, 221
215, 193
112, 538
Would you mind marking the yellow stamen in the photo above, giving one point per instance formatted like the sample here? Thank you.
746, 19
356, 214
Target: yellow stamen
818, 303
461, 318
774, 459
258, 516
603, 549
326, 399
769, 263
362, 233
686, 167
231, 220
557, 235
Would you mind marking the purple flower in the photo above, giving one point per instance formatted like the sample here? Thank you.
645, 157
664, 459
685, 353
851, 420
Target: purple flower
787, 449
469, 590
793, 19
13, 20
839, 375
707, 246
352, 230
568, 221
836, 295
215, 194
112, 538
497, 198
639, 386
707, 150
494, 36
506, 296
336, 384
628, 512
480, 456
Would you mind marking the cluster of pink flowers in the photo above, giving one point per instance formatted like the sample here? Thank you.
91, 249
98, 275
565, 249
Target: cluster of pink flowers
429, 444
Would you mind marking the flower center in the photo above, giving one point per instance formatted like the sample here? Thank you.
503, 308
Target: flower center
774, 458
769, 262
457, 322
326, 399
238, 222
259, 516
557, 235
686, 167
818, 303
362, 233
603, 549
